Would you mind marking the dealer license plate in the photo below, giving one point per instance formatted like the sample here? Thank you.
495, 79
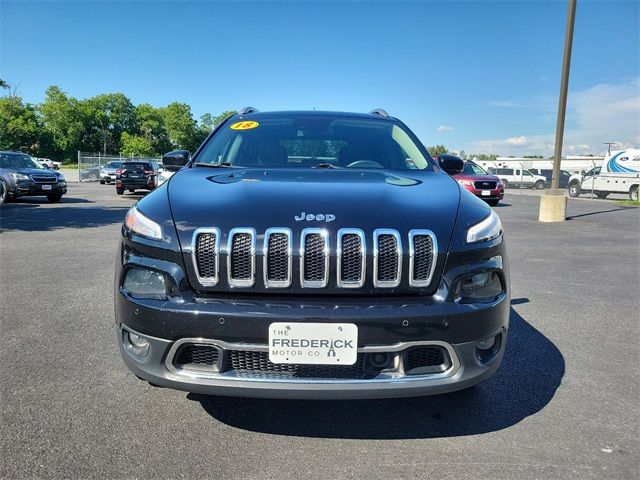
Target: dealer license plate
486, 193
46, 187
313, 343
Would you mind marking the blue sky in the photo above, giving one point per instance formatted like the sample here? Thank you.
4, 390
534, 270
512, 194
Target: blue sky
479, 76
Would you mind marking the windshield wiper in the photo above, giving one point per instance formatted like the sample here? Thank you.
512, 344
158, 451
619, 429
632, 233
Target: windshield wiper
214, 165
325, 165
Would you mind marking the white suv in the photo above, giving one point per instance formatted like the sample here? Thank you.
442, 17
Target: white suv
516, 177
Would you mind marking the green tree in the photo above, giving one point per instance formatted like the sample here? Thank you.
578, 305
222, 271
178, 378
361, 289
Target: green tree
136, 146
20, 128
66, 121
150, 121
437, 150
4, 85
112, 114
181, 127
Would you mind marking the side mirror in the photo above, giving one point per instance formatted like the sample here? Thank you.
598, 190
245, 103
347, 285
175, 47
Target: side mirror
176, 159
451, 164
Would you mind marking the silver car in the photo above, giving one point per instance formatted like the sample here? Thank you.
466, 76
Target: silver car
108, 172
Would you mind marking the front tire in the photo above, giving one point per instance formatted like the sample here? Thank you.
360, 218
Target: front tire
120, 191
54, 197
633, 193
575, 190
539, 185
131, 190
101, 182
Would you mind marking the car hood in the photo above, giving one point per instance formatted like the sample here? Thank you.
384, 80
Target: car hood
32, 171
365, 199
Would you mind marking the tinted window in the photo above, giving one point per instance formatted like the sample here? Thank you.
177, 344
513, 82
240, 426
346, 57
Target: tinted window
505, 171
306, 141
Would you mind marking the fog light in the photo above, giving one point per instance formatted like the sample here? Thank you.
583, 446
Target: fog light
136, 344
489, 348
143, 283
486, 344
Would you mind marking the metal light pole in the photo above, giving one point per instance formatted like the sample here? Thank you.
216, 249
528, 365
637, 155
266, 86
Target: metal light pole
564, 86
553, 205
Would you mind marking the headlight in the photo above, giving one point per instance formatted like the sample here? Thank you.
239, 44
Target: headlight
19, 176
465, 182
487, 229
138, 223
143, 283
479, 287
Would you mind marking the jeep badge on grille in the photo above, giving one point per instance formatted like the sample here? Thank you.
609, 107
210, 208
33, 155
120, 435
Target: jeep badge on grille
310, 217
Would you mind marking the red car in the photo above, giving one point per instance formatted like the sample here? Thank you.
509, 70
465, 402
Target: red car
488, 187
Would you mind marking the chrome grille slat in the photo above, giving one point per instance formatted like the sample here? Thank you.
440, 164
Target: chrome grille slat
206, 255
241, 257
314, 258
277, 257
387, 258
423, 249
351, 256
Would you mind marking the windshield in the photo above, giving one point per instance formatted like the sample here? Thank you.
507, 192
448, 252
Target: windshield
17, 160
307, 141
114, 165
472, 169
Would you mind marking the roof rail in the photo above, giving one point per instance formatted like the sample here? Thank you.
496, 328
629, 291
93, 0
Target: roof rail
379, 111
247, 110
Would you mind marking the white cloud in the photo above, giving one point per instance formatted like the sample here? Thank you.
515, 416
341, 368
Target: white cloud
444, 128
607, 112
519, 141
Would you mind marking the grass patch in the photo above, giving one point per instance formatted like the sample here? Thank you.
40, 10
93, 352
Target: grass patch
633, 203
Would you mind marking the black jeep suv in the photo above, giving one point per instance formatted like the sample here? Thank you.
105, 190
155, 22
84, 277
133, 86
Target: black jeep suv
312, 255
21, 176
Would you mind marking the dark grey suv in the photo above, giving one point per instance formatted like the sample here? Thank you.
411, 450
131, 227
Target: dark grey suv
21, 176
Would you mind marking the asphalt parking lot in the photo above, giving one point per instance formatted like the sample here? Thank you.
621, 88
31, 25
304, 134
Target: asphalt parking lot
563, 404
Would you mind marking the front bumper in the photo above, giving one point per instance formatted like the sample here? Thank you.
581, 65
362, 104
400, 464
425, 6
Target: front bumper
465, 370
389, 324
108, 177
29, 188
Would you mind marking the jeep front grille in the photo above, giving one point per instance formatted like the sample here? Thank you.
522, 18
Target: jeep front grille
311, 258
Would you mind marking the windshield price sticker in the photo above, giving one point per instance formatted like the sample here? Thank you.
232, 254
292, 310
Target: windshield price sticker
313, 343
248, 125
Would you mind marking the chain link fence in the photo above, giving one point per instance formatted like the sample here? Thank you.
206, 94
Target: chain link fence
90, 164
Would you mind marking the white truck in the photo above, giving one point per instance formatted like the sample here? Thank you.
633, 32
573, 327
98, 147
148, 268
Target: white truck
619, 173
